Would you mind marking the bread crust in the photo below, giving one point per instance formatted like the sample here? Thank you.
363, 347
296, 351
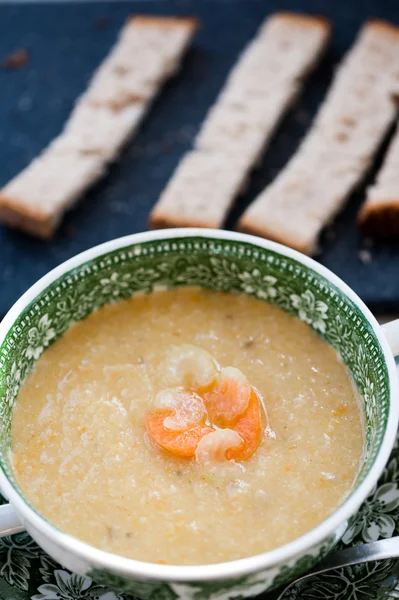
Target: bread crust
159, 220
151, 21
380, 219
383, 27
248, 226
302, 19
18, 216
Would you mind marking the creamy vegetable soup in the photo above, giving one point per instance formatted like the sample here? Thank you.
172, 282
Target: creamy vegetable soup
187, 427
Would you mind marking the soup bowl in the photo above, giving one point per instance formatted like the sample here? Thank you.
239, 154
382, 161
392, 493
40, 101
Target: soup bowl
217, 260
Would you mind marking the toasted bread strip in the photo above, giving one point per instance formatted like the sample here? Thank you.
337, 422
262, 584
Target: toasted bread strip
379, 215
149, 50
99, 130
35, 200
258, 91
337, 152
245, 129
198, 177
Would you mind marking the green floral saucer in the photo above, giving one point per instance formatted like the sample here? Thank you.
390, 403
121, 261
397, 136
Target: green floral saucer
26, 572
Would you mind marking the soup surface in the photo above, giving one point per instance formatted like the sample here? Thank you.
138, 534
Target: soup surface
81, 453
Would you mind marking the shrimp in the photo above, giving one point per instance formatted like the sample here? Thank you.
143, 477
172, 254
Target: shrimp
215, 445
178, 422
187, 406
214, 414
180, 443
247, 427
229, 399
191, 367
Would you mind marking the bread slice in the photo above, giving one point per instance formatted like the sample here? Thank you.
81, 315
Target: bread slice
259, 90
104, 119
338, 150
379, 215
148, 52
99, 130
245, 129
286, 47
197, 193
36, 198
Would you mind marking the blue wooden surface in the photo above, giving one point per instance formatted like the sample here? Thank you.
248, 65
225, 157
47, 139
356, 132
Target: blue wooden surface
65, 43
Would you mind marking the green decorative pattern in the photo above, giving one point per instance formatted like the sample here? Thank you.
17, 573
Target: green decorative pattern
369, 581
220, 265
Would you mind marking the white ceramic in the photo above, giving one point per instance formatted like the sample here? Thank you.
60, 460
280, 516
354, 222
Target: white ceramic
218, 260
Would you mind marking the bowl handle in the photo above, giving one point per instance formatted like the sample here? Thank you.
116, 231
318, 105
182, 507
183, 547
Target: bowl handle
9, 522
391, 332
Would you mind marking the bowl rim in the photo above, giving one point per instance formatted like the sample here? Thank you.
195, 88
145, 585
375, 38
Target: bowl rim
135, 569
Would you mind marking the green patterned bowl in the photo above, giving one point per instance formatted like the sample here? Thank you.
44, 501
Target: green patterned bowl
218, 260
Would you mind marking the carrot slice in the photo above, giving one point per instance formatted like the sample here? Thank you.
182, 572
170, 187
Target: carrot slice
249, 426
181, 443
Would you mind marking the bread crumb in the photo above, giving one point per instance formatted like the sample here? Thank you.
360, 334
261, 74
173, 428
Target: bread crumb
16, 60
365, 256
102, 22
